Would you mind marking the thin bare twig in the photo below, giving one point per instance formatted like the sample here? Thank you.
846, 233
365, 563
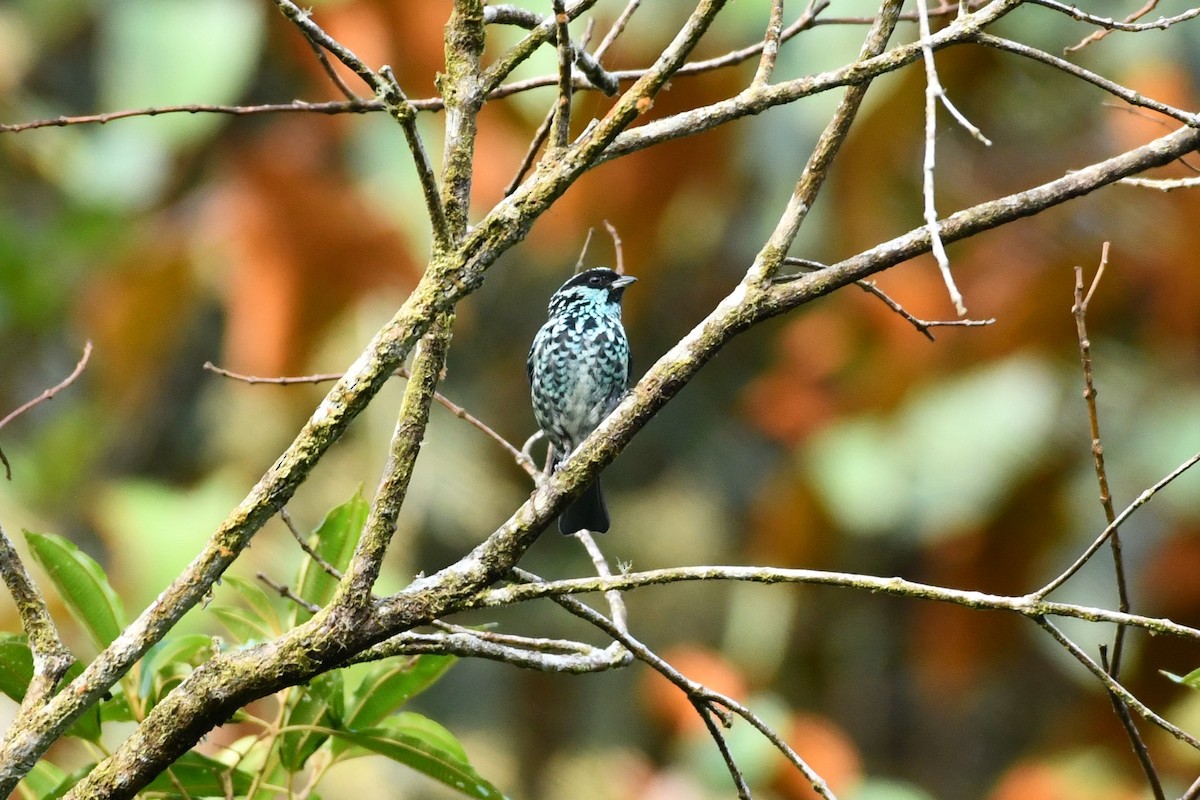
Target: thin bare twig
383, 83
1079, 311
1108, 23
709, 716
328, 568
1114, 687
701, 697
1125, 717
1076, 71
619, 251
539, 139
1111, 666
922, 325
522, 459
616, 603
933, 93
1096, 36
1163, 184
1030, 605
576, 657
1141, 500
618, 27
403, 112
287, 380
535, 644
335, 107
319, 52
870, 287
771, 256
53, 390
579, 262
286, 593
43, 397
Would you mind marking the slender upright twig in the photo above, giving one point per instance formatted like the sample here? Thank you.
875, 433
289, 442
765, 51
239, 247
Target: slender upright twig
770, 46
816, 169
1111, 665
1079, 311
562, 105
618, 249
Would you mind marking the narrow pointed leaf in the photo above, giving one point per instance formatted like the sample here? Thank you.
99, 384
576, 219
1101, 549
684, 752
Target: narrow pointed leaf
257, 602
334, 541
1191, 680
173, 658
427, 757
202, 776
41, 781
243, 624
82, 584
321, 705
391, 684
16, 665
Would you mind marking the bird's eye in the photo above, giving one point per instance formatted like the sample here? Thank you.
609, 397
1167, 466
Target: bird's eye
595, 280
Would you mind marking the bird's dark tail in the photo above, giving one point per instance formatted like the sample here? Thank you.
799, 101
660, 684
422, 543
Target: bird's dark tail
588, 512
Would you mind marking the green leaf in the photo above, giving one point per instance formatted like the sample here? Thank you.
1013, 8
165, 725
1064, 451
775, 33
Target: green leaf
258, 603
16, 672
55, 789
16, 665
1191, 680
419, 726
82, 584
41, 781
244, 624
334, 541
321, 705
202, 776
172, 658
390, 684
87, 727
426, 755
117, 709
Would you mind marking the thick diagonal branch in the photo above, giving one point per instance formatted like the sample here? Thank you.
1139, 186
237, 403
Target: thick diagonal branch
51, 658
354, 590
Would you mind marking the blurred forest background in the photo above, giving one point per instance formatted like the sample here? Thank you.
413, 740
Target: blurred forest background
834, 438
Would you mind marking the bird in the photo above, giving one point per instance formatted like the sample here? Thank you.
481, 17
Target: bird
579, 369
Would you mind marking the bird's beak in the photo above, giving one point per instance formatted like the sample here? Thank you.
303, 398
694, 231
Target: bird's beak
623, 281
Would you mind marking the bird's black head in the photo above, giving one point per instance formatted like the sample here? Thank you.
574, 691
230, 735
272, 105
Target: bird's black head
599, 286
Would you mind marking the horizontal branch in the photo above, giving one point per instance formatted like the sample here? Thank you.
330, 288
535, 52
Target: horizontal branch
757, 99
468, 644
1026, 605
335, 107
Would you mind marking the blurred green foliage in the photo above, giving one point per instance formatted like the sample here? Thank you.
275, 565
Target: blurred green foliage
838, 438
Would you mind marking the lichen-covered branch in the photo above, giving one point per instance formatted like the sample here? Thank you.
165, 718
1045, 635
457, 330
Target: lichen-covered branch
51, 658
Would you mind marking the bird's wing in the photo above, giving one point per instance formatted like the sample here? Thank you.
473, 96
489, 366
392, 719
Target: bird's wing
529, 360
